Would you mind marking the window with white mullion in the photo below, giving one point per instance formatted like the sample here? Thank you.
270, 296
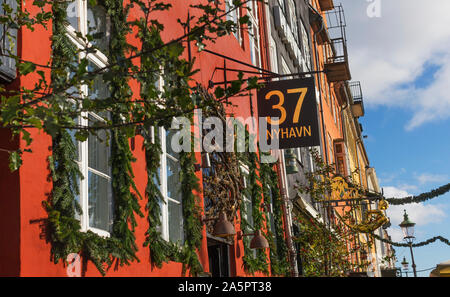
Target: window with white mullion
171, 227
271, 215
171, 209
293, 18
248, 204
234, 16
305, 46
93, 154
255, 50
247, 201
163, 187
87, 19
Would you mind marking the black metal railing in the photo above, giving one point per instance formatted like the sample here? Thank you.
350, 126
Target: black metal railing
356, 91
335, 50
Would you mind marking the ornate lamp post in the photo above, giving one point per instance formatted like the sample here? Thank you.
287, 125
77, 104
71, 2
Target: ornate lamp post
408, 232
405, 265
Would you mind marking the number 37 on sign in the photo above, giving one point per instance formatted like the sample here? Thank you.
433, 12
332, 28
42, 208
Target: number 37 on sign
290, 109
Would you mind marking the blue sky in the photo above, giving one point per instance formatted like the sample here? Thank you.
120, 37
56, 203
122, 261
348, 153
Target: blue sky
412, 162
402, 58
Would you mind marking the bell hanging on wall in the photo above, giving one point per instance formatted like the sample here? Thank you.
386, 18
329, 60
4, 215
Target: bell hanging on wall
291, 162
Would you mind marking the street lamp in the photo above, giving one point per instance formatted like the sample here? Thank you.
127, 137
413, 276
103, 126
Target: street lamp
405, 265
223, 228
408, 232
258, 241
291, 162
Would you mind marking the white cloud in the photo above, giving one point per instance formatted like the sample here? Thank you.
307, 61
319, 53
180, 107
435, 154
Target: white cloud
396, 234
426, 178
389, 53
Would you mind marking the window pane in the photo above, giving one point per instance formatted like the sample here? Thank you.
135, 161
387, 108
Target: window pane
173, 179
100, 202
1, 25
157, 178
176, 233
72, 14
98, 22
169, 134
99, 150
249, 215
272, 217
77, 199
99, 89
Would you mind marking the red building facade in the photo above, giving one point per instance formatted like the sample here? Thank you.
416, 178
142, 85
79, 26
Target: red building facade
24, 249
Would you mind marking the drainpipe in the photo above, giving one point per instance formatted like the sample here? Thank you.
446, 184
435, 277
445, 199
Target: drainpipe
286, 209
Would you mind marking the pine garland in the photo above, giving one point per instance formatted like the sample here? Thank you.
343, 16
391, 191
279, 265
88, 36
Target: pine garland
279, 264
278, 249
65, 235
420, 244
161, 251
253, 192
192, 214
176, 95
126, 202
420, 198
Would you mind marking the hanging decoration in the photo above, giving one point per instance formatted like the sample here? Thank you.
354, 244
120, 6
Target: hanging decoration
420, 198
420, 244
222, 181
372, 220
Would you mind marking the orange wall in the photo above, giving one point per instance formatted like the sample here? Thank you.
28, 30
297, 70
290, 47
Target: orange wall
328, 98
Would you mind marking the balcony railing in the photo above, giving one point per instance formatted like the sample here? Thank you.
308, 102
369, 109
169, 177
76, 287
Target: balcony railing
336, 55
336, 61
357, 99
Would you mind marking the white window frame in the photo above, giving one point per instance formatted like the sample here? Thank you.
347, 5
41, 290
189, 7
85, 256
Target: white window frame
100, 60
163, 180
8, 64
271, 215
293, 18
285, 68
234, 16
246, 172
305, 46
273, 55
254, 35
